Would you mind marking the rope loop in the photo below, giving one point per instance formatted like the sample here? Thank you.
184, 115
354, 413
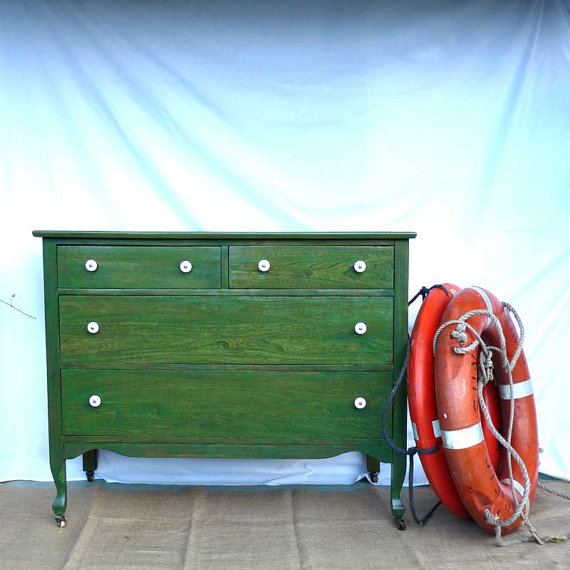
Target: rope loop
407, 452
424, 292
486, 375
485, 367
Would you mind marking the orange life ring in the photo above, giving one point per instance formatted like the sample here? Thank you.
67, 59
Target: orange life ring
479, 485
422, 403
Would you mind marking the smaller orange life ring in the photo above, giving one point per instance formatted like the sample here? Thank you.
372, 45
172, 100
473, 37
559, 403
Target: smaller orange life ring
481, 488
422, 404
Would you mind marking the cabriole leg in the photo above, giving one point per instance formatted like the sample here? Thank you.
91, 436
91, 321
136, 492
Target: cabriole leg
398, 475
57, 464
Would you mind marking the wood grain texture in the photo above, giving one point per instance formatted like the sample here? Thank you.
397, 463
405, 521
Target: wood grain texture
374, 448
125, 267
262, 330
224, 361
287, 406
234, 292
311, 266
56, 453
399, 409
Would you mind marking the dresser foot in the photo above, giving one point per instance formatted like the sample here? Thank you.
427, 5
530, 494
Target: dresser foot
60, 503
60, 521
400, 523
373, 466
90, 464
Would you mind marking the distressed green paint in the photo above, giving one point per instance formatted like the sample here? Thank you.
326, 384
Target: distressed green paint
234, 292
311, 266
56, 452
311, 406
123, 267
197, 330
90, 460
377, 449
224, 361
399, 403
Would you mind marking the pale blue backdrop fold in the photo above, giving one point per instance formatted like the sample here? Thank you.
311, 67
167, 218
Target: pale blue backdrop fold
446, 118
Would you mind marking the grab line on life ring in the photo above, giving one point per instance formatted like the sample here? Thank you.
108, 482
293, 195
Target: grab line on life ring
493, 499
422, 404
473, 435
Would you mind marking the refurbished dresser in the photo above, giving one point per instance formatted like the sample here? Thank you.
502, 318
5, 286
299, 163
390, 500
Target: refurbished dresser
224, 345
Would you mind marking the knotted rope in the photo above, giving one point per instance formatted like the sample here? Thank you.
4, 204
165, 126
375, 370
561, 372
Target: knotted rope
410, 452
485, 376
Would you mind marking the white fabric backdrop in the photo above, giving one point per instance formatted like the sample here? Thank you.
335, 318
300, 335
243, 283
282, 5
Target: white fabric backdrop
447, 118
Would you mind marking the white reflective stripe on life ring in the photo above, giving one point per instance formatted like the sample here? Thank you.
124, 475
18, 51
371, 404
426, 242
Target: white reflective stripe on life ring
415, 430
435, 427
520, 390
485, 298
462, 438
518, 487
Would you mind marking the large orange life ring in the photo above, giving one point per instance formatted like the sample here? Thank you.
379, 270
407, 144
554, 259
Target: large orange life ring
422, 403
481, 488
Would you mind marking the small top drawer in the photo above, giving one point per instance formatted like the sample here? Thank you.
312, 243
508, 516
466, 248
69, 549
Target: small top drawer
139, 267
311, 267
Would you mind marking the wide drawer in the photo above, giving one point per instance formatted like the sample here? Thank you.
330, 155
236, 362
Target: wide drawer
311, 267
144, 267
141, 330
268, 405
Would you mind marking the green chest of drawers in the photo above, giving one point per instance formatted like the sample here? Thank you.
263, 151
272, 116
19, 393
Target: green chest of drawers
224, 345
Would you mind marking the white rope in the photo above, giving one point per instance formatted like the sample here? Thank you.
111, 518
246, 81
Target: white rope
486, 375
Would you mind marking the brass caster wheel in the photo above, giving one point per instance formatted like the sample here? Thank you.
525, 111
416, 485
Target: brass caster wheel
60, 521
400, 523
90, 476
374, 476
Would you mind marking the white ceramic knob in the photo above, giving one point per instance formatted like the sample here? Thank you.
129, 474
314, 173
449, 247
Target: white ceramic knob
359, 266
360, 328
91, 265
185, 266
360, 403
263, 265
94, 401
93, 327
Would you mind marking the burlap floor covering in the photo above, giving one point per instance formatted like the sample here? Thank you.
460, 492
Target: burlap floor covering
120, 527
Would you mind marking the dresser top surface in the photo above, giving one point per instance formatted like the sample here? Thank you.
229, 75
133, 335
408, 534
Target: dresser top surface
223, 235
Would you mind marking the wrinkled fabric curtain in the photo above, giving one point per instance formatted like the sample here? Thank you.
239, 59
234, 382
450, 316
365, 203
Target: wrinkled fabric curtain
446, 118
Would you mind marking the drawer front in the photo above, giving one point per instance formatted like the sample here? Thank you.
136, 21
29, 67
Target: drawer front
268, 405
144, 330
140, 267
312, 267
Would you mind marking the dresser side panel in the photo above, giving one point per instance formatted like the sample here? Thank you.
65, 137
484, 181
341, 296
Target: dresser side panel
56, 447
399, 412
52, 340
